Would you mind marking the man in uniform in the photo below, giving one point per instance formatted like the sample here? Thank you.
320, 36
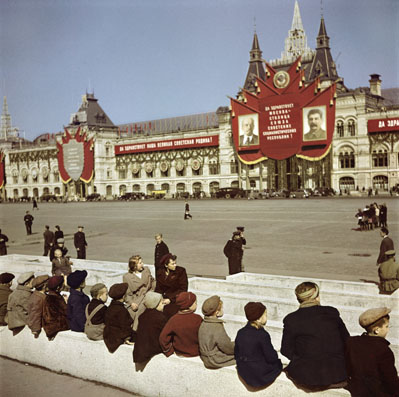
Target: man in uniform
315, 133
389, 273
233, 251
386, 245
48, 240
28, 219
79, 240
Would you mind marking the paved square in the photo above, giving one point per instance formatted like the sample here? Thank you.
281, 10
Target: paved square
300, 237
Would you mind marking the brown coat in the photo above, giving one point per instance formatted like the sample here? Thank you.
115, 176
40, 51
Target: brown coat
137, 288
17, 307
389, 275
54, 314
35, 311
5, 292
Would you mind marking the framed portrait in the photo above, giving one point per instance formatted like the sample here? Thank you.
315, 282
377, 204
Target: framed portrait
314, 123
248, 130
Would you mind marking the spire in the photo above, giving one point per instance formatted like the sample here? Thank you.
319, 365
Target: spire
296, 43
323, 64
5, 120
256, 67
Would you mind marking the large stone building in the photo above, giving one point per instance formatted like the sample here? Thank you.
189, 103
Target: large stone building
196, 154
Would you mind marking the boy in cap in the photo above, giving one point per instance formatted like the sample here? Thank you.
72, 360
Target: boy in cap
5, 291
369, 360
36, 304
95, 312
314, 340
180, 334
118, 322
17, 307
54, 309
216, 348
257, 361
150, 326
389, 274
77, 301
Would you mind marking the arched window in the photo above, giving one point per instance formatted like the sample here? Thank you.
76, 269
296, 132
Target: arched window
150, 188
108, 149
213, 187
197, 187
340, 128
380, 158
233, 166
380, 182
180, 188
252, 183
351, 127
165, 186
347, 183
136, 188
346, 158
234, 184
122, 190
108, 190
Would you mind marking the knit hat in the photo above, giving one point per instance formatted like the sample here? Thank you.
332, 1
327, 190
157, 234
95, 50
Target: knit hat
307, 295
24, 277
210, 305
5, 278
76, 278
371, 316
254, 310
54, 282
185, 299
152, 299
165, 259
39, 281
96, 288
117, 291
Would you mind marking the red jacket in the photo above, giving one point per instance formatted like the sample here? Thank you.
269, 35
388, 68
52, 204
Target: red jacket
180, 335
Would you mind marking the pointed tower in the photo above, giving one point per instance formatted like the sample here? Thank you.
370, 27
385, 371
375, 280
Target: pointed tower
256, 67
5, 129
323, 65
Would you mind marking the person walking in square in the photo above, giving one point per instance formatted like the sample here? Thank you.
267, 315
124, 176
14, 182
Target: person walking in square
80, 242
28, 219
187, 211
48, 236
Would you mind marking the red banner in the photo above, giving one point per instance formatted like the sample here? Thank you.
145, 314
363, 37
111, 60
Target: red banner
284, 118
170, 144
2, 168
75, 157
383, 125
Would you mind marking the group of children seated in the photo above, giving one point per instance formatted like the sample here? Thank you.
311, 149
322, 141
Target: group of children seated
315, 339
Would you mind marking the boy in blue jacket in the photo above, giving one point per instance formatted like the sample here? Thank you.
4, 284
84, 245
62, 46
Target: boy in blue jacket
77, 300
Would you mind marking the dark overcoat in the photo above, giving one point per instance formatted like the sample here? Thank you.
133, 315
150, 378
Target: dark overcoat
54, 314
234, 252
35, 311
371, 367
151, 323
161, 249
386, 245
118, 325
169, 286
257, 361
5, 292
79, 240
76, 306
3, 245
314, 341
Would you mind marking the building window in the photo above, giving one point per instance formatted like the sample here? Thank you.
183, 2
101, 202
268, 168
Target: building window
214, 168
380, 158
108, 149
351, 127
15, 179
380, 182
109, 173
252, 184
347, 159
347, 183
340, 128
233, 167
122, 174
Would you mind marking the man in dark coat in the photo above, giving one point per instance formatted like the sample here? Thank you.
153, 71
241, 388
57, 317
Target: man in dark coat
28, 219
234, 252
161, 249
48, 240
386, 245
389, 274
5, 291
3, 246
187, 211
313, 339
151, 323
58, 233
59, 245
383, 215
171, 280
79, 240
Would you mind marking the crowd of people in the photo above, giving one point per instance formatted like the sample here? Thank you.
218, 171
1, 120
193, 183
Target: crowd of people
158, 316
372, 216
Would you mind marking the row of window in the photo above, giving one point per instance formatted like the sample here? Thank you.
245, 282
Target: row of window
379, 158
351, 128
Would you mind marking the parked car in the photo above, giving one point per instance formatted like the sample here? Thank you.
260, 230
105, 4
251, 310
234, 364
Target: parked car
325, 191
230, 192
48, 197
93, 197
182, 195
281, 193
128, 196
299, 193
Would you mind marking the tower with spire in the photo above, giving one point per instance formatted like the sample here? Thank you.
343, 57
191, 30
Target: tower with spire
6, 130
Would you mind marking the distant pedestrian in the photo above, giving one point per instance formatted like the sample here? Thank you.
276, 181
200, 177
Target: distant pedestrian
35, 206
161, 249
48, 240
80, 242
58, 234
28, 219
383, 215
241, 230
386, 245
234, 252
187, 211
3, 246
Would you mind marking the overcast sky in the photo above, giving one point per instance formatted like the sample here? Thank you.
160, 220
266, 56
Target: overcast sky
150, 59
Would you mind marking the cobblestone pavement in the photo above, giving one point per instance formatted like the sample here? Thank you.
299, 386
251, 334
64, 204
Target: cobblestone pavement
313, 237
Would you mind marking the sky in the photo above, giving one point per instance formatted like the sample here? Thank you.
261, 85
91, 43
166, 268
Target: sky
152, 59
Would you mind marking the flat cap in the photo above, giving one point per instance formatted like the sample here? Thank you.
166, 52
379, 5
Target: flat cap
390, 252
24, 277
40, 280
240, 228
371, 316
96, 288
76, 278
152, 299
5, 278
54, 282
254, 310
117, 291
185, 299
210, 305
